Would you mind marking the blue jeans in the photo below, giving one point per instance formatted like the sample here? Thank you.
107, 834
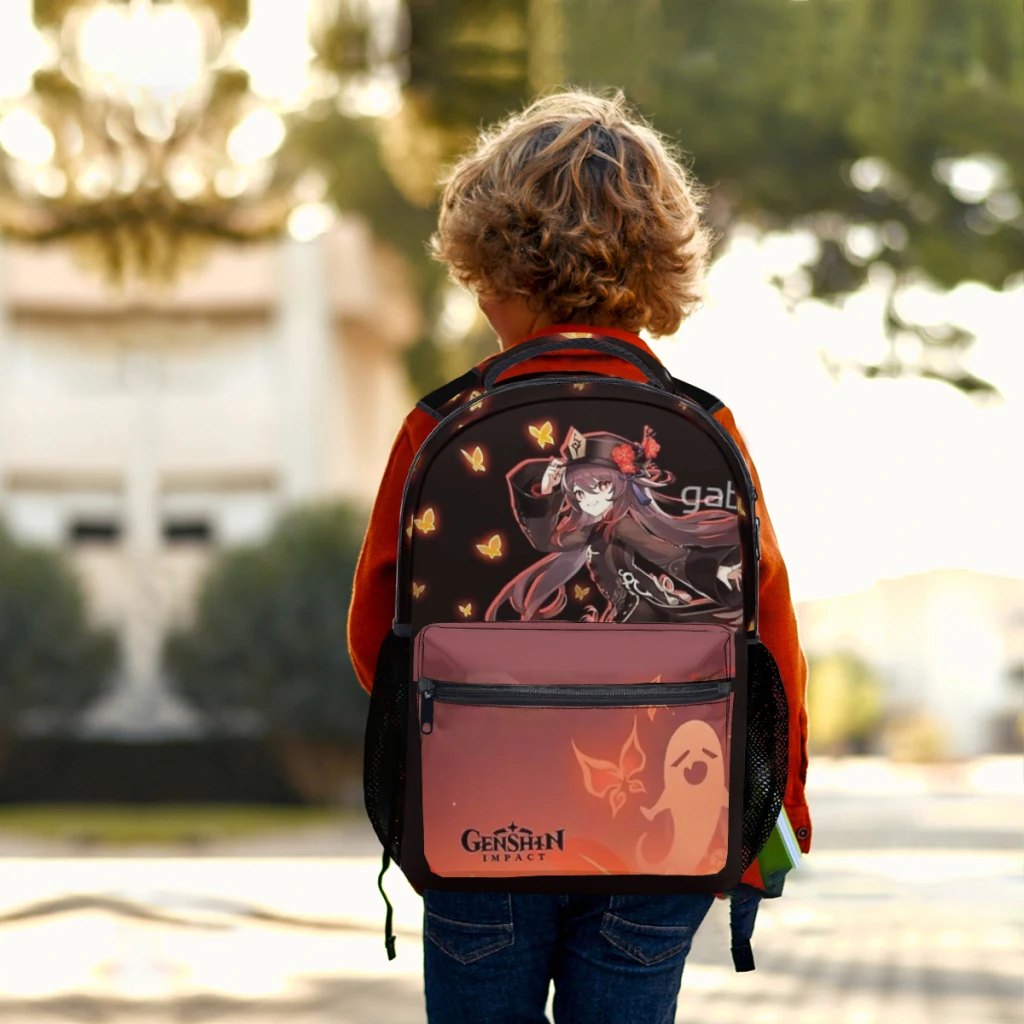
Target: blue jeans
489, 957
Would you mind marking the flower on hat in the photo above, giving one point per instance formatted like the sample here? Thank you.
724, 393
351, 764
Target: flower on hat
624, 456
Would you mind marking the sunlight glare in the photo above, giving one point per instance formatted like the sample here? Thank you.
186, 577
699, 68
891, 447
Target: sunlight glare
25, 137
376, 95
971, 179
274, 50
156, 52
310, 220
256, 137
22, 49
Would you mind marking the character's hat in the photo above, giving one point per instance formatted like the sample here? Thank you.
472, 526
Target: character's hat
603, 449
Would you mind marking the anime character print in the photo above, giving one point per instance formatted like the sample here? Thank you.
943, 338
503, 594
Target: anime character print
601, 507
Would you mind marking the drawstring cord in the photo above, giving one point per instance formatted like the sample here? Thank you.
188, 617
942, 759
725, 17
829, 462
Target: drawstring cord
389, 935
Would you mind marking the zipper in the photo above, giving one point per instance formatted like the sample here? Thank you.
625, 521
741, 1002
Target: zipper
574, 696
619, 382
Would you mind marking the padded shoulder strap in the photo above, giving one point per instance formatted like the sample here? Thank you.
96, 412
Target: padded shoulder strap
704, 399
472, 378
433, 402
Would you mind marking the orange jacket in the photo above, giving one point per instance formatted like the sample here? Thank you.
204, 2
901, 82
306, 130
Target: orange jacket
373, 594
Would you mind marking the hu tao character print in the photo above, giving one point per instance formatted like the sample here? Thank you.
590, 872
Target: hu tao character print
600, 505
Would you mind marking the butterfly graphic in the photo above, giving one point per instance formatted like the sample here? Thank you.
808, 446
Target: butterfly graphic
408, 529
427, 522
651, 712
543, 434
579, 387
605, 778
492, 549
475, 458
475, 405
466, 609
418, 588
580, 592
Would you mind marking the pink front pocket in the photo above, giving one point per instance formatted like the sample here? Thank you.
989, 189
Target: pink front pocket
548, 773
594, 654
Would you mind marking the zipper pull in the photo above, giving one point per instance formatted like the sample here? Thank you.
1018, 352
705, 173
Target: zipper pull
426, 687
757, 537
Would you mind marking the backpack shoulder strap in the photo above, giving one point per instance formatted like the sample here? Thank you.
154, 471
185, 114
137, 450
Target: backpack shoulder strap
439, 397
707, 401
472, 378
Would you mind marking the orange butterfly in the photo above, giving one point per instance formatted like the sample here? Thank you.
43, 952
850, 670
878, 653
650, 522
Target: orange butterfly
492, 549
543, 434
475, 458
408, 529
579, 387
466, 609
605, 778
581, 592
475, 405
418, 588
427, 522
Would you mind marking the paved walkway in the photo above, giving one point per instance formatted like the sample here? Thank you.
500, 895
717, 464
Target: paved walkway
908, 912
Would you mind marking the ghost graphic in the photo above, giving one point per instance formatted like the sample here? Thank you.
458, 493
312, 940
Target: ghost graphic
694, 795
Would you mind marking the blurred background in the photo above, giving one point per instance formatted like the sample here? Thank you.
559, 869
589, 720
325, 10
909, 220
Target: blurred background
215, 309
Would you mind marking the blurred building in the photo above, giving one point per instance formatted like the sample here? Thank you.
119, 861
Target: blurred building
949, 643
142, 432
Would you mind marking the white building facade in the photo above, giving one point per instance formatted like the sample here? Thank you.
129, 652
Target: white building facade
143, 432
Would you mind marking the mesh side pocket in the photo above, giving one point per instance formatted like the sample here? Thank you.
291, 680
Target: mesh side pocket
767, 759
384, 751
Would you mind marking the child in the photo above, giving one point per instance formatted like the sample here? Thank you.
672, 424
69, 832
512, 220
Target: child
571, 214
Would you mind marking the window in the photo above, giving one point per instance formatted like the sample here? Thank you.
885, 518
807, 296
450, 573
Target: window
94, 530
188, 531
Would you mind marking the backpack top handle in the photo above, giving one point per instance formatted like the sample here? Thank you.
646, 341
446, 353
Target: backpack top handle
655, 373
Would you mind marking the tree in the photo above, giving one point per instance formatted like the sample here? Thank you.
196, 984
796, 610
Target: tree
52, 663
888, 128
845, 697
267, 647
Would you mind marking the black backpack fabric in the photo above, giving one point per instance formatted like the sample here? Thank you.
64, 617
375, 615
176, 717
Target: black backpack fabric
574, 696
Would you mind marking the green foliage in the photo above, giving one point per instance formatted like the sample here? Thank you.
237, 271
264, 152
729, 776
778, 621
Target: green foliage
347, 149
49, 13
844, 703
269, 635
777, 100
127, 825
822, 114
52, 663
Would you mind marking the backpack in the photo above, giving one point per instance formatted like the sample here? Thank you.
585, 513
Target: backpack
573, 697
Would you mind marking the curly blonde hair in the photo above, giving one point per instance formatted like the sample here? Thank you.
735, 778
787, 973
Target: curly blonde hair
577, 205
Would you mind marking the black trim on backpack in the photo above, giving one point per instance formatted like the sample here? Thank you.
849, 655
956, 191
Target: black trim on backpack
652, 368
473, 378
386, 741
766, 768
704, 399
432, 403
